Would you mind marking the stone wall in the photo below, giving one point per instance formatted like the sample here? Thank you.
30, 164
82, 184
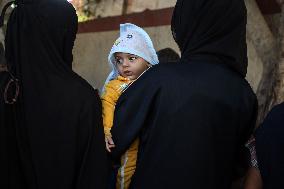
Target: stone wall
2, 4
280, 78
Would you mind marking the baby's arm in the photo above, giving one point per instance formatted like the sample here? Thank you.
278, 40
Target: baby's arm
109, 99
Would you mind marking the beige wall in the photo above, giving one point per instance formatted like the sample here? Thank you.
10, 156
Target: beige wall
141, 5
91, 51
114, 7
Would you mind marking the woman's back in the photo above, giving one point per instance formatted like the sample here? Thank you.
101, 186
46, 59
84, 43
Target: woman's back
199, 135
57, 117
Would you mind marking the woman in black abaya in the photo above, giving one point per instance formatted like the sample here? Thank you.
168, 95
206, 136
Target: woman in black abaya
269, 148
58, 126
192, 118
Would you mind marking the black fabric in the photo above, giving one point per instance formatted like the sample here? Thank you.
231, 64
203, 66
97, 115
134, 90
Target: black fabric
194, 117
167, 55
269, 148
58, 125
212, 30
9, 156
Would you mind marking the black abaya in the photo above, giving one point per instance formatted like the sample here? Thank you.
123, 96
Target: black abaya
192, 118
269, 148
58, 125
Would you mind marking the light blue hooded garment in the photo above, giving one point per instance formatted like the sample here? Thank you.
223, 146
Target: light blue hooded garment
133, 40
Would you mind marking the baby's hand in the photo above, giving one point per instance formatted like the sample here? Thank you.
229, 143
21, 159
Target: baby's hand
109, 143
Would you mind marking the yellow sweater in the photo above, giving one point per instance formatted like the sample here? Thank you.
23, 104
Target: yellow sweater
112, 92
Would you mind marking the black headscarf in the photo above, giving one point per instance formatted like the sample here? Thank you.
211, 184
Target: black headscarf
58, 114
270, 148
221, 36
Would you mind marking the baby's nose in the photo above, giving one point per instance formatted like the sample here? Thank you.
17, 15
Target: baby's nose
125, 63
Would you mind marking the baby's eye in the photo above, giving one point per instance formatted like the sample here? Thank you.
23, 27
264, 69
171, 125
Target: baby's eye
118, 61
132, 58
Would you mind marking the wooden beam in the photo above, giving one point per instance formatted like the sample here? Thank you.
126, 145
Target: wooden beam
152, 18
147, 18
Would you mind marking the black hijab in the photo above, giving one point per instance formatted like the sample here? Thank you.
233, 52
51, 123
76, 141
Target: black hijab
221, 36
58, 114
269, 148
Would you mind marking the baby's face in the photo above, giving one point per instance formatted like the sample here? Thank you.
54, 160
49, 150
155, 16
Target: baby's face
130, 66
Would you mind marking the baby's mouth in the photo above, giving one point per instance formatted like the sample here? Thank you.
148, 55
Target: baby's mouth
128, 73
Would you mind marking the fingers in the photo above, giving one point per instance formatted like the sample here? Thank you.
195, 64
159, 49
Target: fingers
108, 148
109, 143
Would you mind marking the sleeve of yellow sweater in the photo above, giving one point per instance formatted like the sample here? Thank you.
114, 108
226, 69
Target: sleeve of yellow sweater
109, 99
